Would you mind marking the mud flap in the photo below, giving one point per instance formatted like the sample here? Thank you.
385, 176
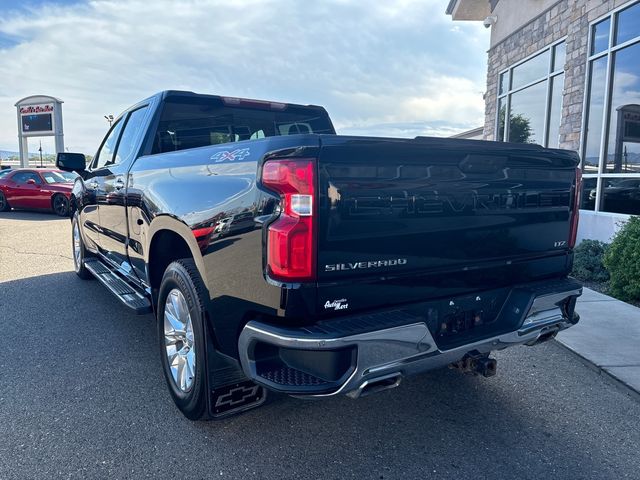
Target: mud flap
230, 391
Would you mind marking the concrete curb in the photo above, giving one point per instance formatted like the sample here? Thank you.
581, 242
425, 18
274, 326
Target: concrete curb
617, 382
607, 339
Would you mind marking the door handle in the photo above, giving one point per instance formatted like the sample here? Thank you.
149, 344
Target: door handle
93, 185
118, 184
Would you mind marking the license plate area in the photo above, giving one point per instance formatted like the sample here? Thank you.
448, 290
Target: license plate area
459, 320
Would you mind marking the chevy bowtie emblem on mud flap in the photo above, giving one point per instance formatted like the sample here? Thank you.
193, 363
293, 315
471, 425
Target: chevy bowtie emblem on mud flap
237, 397
230, 156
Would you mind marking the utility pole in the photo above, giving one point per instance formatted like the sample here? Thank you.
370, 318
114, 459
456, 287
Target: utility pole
109, 119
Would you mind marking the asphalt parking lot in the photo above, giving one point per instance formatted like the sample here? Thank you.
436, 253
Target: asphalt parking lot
82, 396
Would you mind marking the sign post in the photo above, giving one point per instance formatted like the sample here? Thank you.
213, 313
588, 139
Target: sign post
39, 116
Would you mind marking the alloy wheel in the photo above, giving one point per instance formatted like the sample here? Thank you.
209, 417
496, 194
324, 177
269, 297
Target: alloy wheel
179, 341
60, 205
77, 246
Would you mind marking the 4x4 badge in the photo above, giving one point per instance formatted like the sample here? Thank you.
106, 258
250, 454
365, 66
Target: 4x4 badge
230, 156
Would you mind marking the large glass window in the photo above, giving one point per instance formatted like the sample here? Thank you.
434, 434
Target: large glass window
527, 112
595, 116
628, 24
623, 149
611, 140
555, 110
502, 113
530, 99
600, 36
531, 70
589, 190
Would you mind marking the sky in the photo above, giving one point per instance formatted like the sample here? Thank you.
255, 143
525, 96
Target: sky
394, 68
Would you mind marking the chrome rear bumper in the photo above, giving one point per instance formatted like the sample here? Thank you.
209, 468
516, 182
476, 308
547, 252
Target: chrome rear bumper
386, 354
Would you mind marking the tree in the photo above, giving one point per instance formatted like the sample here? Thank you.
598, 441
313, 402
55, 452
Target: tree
519, 127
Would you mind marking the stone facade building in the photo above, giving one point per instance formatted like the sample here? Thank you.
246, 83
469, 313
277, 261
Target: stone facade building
567, 74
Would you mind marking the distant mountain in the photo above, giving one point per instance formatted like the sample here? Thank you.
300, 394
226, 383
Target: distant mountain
4, 154
7, 153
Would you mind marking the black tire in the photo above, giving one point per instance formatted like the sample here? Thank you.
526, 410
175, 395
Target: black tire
183, 276
79, 255
60, 205
4, 204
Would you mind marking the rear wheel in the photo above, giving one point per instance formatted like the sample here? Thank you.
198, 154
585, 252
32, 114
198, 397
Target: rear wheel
180, 312
60, 205
79, 252
4, 204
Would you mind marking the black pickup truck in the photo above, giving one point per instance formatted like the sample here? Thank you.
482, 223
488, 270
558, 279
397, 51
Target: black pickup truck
277, 255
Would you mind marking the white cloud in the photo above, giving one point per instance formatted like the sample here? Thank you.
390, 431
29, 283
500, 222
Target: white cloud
369, 64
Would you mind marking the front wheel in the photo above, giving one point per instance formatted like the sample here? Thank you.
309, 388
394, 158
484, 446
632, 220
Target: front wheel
4, 204
180, 312
79, 252
60, 205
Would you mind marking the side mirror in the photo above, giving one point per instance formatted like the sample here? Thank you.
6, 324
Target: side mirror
71, 162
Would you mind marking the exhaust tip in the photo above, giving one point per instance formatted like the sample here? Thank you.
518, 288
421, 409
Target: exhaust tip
375, 385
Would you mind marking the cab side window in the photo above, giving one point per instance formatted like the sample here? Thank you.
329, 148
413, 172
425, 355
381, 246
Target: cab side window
130, 135
106, 155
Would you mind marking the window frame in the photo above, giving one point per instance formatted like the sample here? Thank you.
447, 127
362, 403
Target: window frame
120, 121
136, 141
609, 52
124, 120
548, 77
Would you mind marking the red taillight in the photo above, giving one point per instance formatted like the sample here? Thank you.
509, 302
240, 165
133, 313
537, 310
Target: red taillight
575, 214
291, 238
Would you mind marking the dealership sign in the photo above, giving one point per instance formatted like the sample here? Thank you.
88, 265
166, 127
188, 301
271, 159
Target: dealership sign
38, 116
37, 119
31, 109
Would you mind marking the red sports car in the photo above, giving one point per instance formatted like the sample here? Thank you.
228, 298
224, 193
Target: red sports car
37, 189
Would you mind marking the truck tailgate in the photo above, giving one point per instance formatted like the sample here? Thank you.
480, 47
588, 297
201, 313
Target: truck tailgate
427, 205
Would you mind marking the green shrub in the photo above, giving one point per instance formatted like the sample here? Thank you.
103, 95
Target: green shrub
622, 259
587, 261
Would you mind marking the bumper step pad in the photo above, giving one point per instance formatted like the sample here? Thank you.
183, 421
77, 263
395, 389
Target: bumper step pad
289, 376
127, 294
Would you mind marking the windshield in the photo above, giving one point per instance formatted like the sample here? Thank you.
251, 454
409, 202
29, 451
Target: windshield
55, 177
193, 122
69, 176
4, 172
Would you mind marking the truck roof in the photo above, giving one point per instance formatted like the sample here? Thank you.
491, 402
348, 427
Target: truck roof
231, 101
